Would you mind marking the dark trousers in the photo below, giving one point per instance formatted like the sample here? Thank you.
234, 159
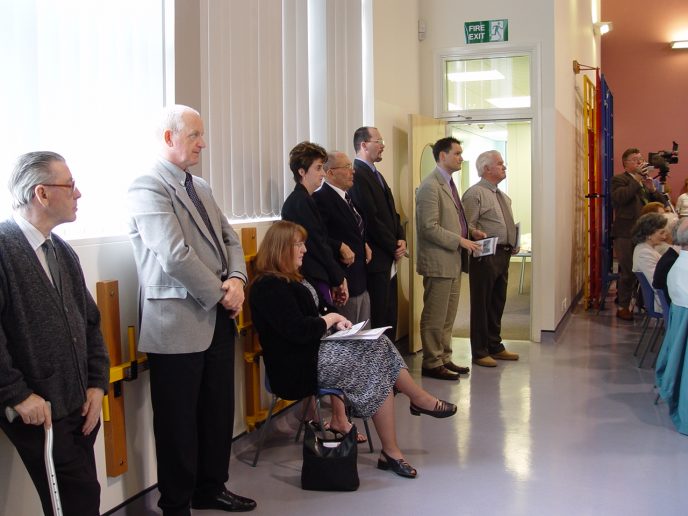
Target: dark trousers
193, 418
75, 464
488, 277
383, 302
626, 284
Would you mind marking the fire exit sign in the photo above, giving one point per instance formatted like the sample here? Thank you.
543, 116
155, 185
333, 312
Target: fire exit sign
486, 31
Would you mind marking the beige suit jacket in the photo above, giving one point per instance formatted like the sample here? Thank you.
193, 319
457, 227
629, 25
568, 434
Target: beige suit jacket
438, 228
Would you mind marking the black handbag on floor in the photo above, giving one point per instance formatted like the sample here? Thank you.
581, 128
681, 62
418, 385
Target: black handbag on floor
329, 464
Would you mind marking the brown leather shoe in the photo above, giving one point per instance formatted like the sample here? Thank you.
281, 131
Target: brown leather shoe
440, 372
457, 369
505, 355
485, 362
624, 314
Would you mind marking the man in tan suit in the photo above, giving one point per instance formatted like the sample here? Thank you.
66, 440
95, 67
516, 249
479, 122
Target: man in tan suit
442, 239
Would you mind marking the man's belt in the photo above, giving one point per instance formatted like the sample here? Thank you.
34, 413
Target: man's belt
505, 247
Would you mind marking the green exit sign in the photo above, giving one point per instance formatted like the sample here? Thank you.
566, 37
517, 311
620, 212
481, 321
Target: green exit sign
486, 31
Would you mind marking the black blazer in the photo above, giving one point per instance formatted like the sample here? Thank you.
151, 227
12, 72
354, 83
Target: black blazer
319, 263
290, 328
664, 265
382, 220
341, 227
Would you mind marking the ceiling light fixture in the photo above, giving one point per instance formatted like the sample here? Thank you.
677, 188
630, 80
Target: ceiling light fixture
510, 102
679, 44
602, 27
487, 75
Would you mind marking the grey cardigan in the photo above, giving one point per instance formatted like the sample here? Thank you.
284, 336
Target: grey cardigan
50, 347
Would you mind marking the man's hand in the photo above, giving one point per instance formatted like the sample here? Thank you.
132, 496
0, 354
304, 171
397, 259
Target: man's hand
368, 253
478, 235
648, 183
469, 244
34, 411
91, 409
347, 255
515, 250
340, 294
233, 299
401, 250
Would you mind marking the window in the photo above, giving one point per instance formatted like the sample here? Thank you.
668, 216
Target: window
78, 78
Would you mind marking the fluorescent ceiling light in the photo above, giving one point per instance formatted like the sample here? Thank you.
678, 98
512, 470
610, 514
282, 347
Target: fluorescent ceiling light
679, 44
510, 102
602, 27
487, 75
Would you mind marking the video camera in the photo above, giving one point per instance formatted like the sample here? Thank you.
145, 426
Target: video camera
661, 160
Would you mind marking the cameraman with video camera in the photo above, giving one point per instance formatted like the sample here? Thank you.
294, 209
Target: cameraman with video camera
630, 191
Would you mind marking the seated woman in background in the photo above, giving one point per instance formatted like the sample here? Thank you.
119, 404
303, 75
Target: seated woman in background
648, 233
291, 320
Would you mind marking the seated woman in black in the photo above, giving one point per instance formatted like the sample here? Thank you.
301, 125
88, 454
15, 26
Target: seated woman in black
291, 321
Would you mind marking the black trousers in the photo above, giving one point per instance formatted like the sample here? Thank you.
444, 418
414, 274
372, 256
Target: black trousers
383, 302
488, 277
193, 418
75, 464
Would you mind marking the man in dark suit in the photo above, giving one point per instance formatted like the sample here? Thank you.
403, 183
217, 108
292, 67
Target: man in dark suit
346, 232
630, 191
384, 231
51, 348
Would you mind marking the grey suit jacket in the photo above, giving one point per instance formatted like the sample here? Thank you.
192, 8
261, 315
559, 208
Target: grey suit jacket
179, 267
438, 228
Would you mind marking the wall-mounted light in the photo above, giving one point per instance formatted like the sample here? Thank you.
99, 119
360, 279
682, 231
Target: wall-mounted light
602, 27
679, 44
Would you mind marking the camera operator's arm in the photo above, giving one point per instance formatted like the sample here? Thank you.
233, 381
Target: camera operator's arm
623, 190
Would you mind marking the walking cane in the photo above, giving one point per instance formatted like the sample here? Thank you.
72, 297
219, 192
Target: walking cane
11, 415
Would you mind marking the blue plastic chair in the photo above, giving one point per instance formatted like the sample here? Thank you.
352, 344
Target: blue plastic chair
648, 294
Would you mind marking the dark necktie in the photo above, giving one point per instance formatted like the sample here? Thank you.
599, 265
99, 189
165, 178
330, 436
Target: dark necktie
188, 184
459, 207
379, 178
53, 266
357, 216
508, 219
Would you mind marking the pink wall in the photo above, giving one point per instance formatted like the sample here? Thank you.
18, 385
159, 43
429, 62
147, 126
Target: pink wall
648, 79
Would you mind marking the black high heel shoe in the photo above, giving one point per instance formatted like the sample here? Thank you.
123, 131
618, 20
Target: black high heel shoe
442, 409
399, 466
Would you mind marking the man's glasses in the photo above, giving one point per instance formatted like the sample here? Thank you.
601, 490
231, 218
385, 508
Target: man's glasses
347, 166
379, 142
71, 185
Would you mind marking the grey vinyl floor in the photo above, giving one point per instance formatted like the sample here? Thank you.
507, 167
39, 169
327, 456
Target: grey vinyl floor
570, 429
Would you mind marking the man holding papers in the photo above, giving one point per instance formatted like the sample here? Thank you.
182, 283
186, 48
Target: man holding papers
489, 210
443, 237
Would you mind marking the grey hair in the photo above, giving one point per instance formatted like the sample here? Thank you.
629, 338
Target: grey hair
30, 170
646, 226
172, 118
331, 159
485, 159
680, 232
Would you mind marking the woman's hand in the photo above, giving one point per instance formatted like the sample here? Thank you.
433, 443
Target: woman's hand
337, 320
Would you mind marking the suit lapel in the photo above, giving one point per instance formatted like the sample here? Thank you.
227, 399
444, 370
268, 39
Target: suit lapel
445, 188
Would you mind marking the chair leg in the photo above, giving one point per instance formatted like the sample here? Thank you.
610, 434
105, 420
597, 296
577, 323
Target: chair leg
264, 430
650, 342
646, 322
370, 439
306, 403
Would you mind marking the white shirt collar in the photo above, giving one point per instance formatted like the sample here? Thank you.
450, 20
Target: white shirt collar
32, 234
341, 192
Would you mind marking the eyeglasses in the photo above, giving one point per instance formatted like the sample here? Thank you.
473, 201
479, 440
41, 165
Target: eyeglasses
379, 142
300, 244
71, 185
348, 166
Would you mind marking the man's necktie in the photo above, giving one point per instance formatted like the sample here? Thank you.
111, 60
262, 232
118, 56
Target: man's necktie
508, 219
188, 184
357, 216
53, 266
459, 207
378, 176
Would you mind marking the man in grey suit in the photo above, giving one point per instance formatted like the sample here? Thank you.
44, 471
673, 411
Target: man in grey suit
443, 239
191, 278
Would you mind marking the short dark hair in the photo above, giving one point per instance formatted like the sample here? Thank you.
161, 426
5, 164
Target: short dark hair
302, 157
628, 152
361, 135
646, 226
443, 145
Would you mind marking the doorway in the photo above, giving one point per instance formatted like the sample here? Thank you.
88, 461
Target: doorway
512, 139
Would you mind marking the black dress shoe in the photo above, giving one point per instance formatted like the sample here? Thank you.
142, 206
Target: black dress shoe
225, 500
399, 466
457, 369
440, 372
442, 409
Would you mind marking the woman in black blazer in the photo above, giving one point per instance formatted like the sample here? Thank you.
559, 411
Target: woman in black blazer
291, 320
